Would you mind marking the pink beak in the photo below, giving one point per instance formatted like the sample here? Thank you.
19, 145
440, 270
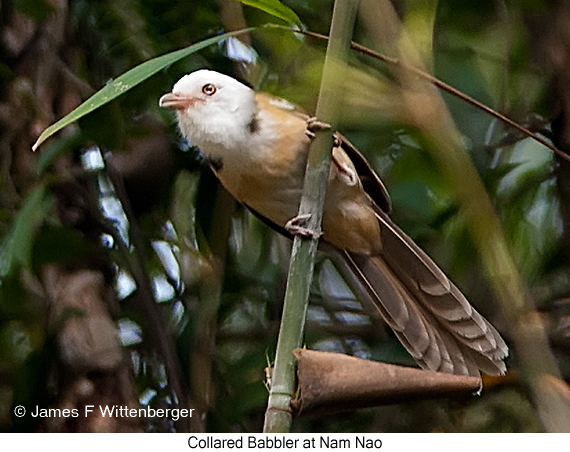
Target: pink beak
176, 101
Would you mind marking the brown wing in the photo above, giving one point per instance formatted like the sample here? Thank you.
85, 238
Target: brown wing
371, 183
428, 313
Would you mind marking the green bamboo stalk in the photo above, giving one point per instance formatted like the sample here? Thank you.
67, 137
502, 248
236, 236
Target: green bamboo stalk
278, 416
537, 363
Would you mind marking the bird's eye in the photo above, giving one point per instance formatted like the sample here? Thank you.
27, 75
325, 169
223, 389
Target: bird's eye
209, 89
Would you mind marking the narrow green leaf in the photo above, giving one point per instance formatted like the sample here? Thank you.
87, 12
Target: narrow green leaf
420, 24
275, 8
17, 249
129, 80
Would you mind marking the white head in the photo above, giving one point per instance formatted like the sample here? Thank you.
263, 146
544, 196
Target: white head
214, 111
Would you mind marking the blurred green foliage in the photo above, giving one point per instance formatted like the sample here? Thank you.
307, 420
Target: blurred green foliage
226, 288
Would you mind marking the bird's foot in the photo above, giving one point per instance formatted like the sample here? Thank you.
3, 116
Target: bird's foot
314, 125
296, 226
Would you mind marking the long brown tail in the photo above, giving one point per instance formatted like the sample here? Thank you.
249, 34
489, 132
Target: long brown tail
427, 312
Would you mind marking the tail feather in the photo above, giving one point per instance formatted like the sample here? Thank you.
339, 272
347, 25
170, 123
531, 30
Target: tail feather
395, 306
428, 313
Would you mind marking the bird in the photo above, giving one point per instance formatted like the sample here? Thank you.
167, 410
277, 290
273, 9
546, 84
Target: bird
257, 145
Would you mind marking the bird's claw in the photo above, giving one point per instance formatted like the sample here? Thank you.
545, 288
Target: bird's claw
296, 226
268, 377
314, 125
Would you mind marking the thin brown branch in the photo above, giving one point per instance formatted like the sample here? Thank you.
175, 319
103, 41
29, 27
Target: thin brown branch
448, 89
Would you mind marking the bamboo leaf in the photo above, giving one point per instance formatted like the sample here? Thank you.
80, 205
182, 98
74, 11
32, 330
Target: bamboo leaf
18, 245
129, 80
275, 8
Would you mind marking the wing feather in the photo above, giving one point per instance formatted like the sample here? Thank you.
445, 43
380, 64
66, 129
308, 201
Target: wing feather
428, 313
